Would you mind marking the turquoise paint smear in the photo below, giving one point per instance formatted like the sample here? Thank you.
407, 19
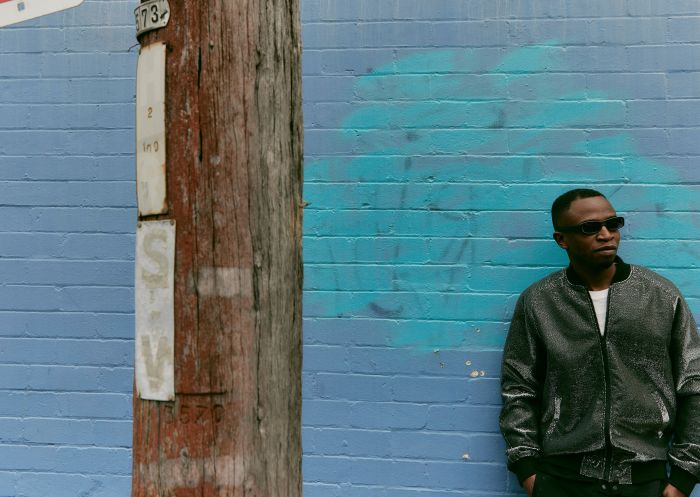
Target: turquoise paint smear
452, 86
441, 61
615, 144
430, 62
645, 170
417, 115
473, 196
456, 116
511, 169
409, 305
576, 112
467, 335
453, 336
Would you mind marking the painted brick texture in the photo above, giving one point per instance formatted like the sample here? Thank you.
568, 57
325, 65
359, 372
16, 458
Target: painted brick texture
67, 219
437, 135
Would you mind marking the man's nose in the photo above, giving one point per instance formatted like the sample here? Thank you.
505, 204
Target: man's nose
605, 233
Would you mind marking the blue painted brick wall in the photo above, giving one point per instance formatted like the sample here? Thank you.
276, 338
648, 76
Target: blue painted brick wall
437, 135
67, 219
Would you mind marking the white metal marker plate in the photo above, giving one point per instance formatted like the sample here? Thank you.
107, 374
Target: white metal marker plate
150, 15
155, 310
14, 11
150, 130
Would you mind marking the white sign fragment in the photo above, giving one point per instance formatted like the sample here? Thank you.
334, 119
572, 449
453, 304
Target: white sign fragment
154, 307
14, 11
150, 130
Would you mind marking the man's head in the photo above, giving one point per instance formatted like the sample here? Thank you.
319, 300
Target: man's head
587, 227
563, 201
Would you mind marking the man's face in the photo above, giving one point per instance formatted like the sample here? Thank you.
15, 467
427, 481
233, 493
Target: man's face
595, 251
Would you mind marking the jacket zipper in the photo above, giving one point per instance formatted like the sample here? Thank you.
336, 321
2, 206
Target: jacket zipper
603, 345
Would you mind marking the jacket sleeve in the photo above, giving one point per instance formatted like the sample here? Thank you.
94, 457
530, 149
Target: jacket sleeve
684, 454
521, 380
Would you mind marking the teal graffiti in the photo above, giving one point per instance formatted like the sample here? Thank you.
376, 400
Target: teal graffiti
425, 205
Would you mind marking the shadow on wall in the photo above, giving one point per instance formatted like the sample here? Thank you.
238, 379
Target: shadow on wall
430, 191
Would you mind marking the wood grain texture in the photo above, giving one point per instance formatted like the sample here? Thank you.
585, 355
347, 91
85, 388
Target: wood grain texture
234, 179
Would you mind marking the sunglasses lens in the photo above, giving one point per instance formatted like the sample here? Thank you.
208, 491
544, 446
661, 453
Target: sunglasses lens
593, 227
615, 223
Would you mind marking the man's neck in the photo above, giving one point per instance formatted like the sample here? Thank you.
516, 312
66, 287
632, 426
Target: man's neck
595, 278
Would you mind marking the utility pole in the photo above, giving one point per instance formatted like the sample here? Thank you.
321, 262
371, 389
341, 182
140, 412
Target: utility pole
232, 195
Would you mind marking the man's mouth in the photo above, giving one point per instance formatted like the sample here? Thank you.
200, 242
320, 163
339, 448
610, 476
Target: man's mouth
607, 249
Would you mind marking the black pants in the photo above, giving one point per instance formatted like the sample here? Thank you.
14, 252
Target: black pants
554, 486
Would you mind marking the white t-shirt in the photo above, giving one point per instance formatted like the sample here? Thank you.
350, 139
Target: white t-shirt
600, 304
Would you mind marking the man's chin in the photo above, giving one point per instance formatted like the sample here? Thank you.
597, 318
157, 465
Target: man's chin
606, 262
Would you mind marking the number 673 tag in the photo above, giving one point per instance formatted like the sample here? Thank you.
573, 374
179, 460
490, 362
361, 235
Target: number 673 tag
150, 15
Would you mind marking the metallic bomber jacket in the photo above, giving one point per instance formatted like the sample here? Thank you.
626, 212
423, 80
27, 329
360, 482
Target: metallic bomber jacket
568, 390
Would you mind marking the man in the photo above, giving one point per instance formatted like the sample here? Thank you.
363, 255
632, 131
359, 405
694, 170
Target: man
601, 371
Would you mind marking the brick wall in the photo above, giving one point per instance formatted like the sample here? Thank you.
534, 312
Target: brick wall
437, 135
66, 247
438, 132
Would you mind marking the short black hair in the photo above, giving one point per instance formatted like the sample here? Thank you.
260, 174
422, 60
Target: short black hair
563, 201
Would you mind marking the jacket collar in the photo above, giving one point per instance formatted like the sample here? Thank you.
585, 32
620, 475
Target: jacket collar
621, 273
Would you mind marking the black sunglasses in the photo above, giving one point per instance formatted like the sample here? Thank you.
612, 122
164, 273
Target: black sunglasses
593, 227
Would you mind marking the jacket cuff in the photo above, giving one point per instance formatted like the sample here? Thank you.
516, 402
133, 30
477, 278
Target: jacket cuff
682, 480
524, 468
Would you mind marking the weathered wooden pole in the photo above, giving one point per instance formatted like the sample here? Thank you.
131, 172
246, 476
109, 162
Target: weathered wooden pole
233, 131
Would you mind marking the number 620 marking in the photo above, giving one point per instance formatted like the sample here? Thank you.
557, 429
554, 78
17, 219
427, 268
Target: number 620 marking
198, 414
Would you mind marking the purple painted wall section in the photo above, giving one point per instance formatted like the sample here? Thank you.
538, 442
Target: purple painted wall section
437, 136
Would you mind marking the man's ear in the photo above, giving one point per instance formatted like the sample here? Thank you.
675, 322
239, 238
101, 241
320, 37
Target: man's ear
559, 238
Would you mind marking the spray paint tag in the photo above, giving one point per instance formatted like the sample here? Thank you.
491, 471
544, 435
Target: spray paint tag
155, 310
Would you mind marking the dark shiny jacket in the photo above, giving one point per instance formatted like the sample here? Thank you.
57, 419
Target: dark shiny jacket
568, 390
